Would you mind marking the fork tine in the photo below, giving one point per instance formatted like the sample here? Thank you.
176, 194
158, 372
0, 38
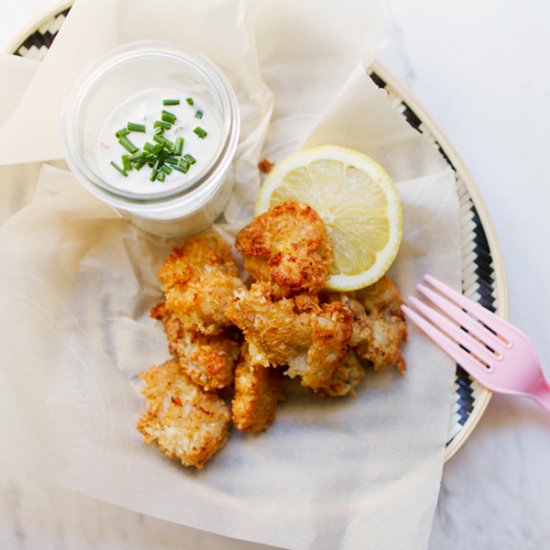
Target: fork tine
484, 315
454, 331
462, 318
464, 359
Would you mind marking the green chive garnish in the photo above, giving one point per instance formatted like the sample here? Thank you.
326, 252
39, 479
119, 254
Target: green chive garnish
167, 116
121, 170
135, 127
190, 101
128, 145
140, 164
184, 166
126, 164
178, 146
166, 169
178, 168
161, 176
200, 132
121, 133
154, 174
170, 101
198, 114
190, 159
162, 124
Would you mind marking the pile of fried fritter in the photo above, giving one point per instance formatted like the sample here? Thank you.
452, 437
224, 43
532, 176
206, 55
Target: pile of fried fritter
234, 343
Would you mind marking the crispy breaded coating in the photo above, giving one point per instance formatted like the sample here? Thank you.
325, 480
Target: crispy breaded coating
172, 325
182, 419
257, 391
200, 305
331, 332
199, 278
344, 379
311, 343
379, 327
208, 360
287, 247
197, 255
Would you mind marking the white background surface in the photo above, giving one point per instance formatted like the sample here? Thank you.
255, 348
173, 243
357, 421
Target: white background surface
481, 70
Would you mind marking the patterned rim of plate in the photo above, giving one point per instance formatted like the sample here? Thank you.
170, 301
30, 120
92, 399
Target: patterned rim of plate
483, 276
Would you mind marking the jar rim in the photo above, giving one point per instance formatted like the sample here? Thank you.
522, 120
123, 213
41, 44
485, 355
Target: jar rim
196, 185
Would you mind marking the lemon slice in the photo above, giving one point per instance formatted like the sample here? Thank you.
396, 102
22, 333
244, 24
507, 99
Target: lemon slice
356, 199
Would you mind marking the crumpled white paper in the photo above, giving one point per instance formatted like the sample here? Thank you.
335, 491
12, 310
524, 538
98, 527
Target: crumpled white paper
76, 284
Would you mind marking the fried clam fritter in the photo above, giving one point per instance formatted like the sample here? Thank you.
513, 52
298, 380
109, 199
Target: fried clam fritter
345, 378
379, 328
185, 421
288, 248
199, 278
208, 360
312, 343
257, 391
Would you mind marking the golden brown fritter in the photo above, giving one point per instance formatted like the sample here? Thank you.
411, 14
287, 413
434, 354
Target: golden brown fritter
196, 256
311, 343
287, 247
379, 328
257, 391
200, 305
199, 278
344, 379
182, 419
208, 360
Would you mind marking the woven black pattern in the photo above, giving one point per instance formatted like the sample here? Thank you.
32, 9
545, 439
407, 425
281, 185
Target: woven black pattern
484, 278
38, 39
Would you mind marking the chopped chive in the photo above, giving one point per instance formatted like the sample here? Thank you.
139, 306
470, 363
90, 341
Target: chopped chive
128, 145
190, 101
117, 167
126, 164
184, 166
162, 124
161, 176
167, 116
140, 164
198, 114
159, 131
200, 132
135, 127
136, 156
121, 133
165, 143
178, 146
166, 169
178, 168
153, 175
149, 147
170, 101
151, 163
190, 159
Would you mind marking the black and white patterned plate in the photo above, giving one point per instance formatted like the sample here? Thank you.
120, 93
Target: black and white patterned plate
481, 279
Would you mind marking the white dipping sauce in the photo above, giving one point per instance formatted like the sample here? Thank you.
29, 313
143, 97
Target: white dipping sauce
145, 108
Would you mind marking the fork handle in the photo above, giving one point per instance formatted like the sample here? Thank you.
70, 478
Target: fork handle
542, 397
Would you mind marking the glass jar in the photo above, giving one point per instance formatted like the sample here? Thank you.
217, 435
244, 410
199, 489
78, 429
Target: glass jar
123, 73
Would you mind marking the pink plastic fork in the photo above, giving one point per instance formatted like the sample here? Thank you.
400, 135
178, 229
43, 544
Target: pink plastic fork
494, 352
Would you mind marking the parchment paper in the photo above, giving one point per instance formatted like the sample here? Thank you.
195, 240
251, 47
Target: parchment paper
76, 284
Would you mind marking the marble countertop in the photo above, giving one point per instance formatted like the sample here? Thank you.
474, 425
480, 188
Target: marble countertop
480, 69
